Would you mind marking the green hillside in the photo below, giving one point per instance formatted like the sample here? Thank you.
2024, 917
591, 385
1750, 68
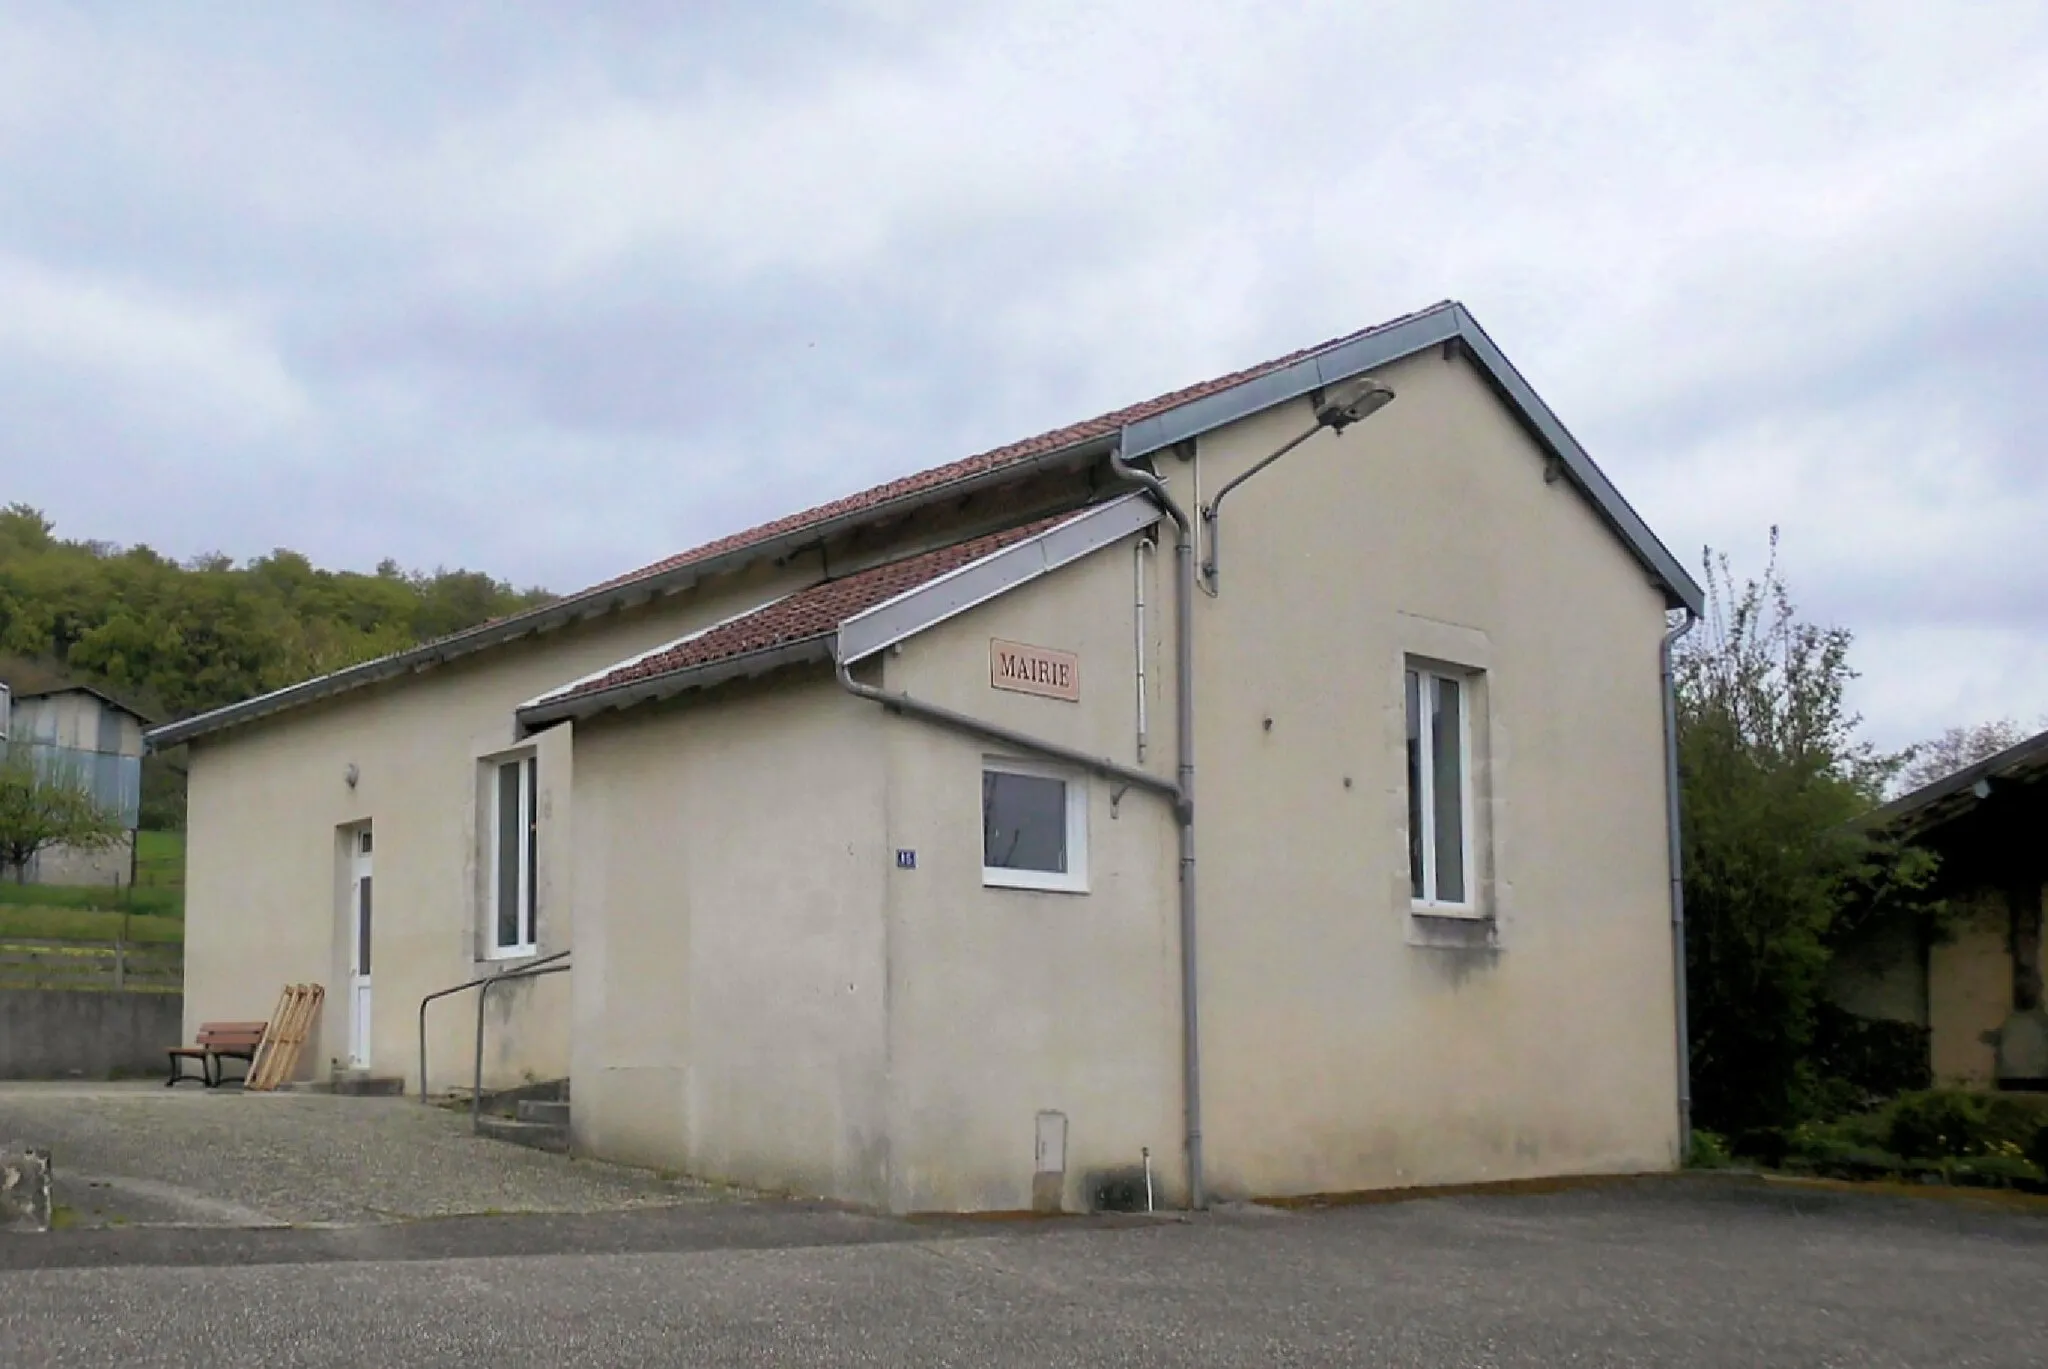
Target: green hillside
180, 637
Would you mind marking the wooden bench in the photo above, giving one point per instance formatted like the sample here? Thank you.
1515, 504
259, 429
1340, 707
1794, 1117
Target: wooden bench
218, 1041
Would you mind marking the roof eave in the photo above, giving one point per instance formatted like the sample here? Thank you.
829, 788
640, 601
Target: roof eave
563, 612
808, 650
947, 596
1899, 813
1433, 327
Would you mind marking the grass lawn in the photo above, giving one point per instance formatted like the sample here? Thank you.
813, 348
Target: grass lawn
159, 890
164, 903
160, 860
86, 924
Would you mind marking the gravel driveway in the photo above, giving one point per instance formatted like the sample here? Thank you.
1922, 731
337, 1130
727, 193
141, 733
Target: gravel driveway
141, 1154
1661, 1272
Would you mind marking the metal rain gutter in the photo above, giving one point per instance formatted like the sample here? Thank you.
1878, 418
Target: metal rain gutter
1672, 813
611, 598
745, 666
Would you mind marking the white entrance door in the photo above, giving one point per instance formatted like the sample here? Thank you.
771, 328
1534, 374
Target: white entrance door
359, 949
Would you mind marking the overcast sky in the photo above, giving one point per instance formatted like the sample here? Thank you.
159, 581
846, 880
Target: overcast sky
549, 294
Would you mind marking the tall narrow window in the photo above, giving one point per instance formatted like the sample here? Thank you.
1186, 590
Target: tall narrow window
1439, 791
515, 856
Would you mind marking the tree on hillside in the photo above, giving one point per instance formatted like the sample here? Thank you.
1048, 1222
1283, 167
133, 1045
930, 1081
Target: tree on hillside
188, 637
40, 809
1772, 775
1957, 749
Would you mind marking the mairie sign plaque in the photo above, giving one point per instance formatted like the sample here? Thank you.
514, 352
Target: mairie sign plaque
1034, 670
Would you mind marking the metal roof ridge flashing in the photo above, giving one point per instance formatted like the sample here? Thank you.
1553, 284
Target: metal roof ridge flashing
602, 671
817, 646
934, 601
1440, 323
1579, 464
1377, 346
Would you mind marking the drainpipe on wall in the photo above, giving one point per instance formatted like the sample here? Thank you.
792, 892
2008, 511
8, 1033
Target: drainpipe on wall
1181, 794
1138, 554
1184, 806
1677, 855
1003, 736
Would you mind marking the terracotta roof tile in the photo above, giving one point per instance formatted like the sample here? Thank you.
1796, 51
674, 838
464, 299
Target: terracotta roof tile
1100, 426
809, 613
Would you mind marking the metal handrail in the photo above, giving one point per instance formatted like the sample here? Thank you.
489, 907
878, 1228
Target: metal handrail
459, 988
534, 971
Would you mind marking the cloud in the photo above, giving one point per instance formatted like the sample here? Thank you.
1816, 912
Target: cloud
370, 280
182, 362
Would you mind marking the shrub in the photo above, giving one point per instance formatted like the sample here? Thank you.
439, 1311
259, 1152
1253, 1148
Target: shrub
1709, 1151
1766, 1145
1863, 1061
1959, 1123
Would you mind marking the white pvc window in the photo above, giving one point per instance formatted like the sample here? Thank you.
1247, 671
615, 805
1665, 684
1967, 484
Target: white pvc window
514, 856
1439, 790
1034, 827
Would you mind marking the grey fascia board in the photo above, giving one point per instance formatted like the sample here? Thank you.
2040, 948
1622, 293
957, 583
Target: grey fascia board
100, 694
592, 604
1430, 328
1679, 586
805, 651
1198, 416
913, 611
1999, 766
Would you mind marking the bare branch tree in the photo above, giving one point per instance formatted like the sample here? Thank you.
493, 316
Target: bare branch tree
1957, 749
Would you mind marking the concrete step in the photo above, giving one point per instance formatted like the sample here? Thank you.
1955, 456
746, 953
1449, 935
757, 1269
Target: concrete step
546, 1111
363, 1084
505, 1102
532, 1135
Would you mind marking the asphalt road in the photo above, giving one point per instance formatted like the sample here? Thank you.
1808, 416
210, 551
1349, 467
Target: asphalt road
1659, 1272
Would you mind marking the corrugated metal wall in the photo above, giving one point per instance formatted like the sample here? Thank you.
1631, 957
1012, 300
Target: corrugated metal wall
115, 782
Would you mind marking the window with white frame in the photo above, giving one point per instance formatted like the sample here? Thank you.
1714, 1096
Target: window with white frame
1440, 865
1034, 827
514, 857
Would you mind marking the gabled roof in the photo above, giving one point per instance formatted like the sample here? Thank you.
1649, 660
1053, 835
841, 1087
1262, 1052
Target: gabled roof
117, 704
853, 616
1136, 430
1952, 796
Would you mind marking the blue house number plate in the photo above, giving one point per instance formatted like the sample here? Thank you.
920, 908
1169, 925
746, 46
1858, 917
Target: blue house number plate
906, 860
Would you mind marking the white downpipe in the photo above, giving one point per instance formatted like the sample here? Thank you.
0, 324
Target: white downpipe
1138, 556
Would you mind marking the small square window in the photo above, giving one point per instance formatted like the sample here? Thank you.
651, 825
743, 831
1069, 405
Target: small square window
1034, 827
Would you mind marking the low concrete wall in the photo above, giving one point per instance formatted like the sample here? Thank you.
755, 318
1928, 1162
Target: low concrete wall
73, 1033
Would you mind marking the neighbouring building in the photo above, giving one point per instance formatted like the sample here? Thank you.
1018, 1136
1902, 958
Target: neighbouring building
91, 739
1975, 986
868, 831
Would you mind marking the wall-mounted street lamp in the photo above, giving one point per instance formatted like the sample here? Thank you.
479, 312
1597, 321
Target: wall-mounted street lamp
1337, 408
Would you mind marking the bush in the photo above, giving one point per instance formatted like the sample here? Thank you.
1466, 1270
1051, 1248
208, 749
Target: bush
1961, 1124
1773, 775
2038, 1151
1767, 1146
1709, 1151
1991, 1171
1863, 1061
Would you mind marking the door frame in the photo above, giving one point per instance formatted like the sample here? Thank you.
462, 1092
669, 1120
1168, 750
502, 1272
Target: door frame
359, 926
